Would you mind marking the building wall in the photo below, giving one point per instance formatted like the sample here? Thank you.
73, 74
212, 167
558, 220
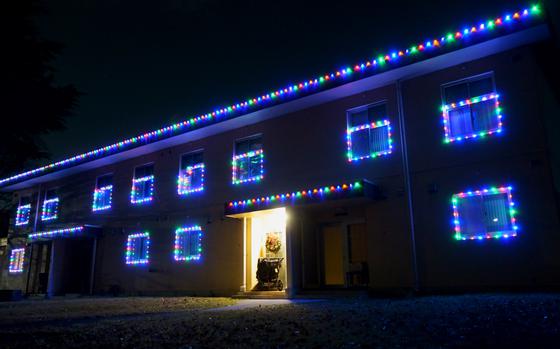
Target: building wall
306, 149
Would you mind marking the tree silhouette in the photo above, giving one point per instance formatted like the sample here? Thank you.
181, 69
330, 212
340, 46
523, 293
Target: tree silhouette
31, 105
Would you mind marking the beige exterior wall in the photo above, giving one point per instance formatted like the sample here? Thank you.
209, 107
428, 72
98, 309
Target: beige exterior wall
306, 149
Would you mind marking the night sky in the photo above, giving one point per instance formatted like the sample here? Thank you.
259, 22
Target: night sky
144, 64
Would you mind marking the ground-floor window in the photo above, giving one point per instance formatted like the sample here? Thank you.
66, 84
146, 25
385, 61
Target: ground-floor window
16, 260
484, 214
138, 248
188, 243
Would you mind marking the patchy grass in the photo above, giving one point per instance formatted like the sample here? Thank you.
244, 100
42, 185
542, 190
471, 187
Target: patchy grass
75, 308
492, 320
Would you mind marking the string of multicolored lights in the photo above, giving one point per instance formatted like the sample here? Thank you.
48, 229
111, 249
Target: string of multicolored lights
447, 124
293, 197
237, 177
56, 233
389, 146
366, 68
185, 180
512, 232
102, 198
184, 237
17, 257
138, 192
50, 210
130, 256
22, 215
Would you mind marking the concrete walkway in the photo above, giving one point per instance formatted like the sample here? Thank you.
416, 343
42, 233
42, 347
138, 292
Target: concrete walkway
256, 303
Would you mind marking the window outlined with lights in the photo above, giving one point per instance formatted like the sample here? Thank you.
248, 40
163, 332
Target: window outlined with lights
103, 193
191, 173
138, 248
23, 213
368, 132
50, 206
17, 256
248, 160
142, 184
484, 214
471, 108
188, 243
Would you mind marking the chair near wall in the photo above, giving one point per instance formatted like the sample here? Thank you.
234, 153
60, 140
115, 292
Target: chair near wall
357, 275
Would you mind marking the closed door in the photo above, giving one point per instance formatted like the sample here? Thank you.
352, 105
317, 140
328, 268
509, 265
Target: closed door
333, 255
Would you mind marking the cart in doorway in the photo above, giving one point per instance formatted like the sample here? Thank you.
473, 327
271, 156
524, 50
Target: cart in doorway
268, 270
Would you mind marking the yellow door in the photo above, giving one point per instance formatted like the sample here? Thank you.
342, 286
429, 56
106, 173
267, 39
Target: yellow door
333, 247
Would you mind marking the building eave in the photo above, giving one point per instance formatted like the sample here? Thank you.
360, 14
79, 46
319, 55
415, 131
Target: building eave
475, 51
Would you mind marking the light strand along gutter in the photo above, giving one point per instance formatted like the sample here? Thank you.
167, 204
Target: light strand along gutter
469, 36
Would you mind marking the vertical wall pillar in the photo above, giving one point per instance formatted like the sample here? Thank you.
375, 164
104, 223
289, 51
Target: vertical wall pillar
290, 289
243, 287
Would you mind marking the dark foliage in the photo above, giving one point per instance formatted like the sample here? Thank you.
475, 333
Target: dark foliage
31, 104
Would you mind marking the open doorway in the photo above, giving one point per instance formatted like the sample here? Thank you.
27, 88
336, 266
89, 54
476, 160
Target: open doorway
265, 262
62, 266
39, 266
344, 255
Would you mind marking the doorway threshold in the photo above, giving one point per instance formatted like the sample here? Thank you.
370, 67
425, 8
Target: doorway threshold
261, 295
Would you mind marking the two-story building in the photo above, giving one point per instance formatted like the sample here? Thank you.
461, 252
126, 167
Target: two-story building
425, 168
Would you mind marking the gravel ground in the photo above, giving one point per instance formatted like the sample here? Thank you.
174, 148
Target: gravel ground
88, 308
489, 320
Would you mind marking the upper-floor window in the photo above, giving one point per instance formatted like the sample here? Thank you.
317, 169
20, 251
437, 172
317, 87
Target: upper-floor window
248, 160
188, 243
142, 184
368, 134
17, 257
471, 109
23, 211
103, 193
138, 248
191, 173
484, 214
50, 206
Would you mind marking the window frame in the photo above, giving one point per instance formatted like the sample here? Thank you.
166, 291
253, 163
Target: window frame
350, 129
447, 107
17, 258
151, 178
101, 191
505, 234
23, 218
49, 210
178, 250
251, 153
130, 258
181, 185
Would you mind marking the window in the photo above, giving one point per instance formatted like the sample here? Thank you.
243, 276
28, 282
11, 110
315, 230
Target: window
142, 184
484, 214
188, 243
50, 206
248, 161
16, 261
138, 248
368, 134
23, 211
103, 193
471, 109
191, 173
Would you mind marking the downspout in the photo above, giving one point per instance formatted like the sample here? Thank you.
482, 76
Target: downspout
35, 220
92, 272
407, 183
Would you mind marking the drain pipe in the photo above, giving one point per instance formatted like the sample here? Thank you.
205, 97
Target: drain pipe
92, 271
407, 183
